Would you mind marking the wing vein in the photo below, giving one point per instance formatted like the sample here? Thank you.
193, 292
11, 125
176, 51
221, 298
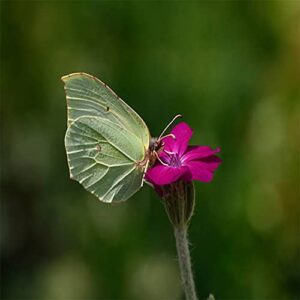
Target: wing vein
118, 181
117, 148
88, 186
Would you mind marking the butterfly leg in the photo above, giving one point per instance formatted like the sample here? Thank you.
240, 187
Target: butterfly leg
146, 169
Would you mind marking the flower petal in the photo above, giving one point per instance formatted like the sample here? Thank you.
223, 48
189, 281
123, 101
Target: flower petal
197, 152
183, 134
162, 175
203, 171
212, 162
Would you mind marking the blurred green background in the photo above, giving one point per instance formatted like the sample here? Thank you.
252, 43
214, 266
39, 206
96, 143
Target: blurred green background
232, 69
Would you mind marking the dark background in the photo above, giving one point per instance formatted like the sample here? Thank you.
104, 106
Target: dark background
232, 70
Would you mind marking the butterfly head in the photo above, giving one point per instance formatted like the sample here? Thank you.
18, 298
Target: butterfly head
156, 146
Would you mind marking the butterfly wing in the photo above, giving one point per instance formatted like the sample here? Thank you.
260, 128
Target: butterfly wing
103, 157
105, 139
88, 96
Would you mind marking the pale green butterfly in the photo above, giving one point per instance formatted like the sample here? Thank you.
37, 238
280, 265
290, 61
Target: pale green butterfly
108, 145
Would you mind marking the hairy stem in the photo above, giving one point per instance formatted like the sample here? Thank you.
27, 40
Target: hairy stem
184, 258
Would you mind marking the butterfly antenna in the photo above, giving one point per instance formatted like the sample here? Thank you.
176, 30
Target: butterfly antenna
176, 117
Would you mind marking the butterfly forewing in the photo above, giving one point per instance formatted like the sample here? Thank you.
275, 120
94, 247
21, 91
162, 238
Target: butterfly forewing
88, 96
103, 157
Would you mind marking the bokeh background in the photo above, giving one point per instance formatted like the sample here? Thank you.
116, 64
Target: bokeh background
232, 70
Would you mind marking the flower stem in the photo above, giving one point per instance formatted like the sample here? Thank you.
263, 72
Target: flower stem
184, 258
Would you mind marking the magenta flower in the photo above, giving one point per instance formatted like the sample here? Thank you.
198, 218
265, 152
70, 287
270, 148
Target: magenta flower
178, 161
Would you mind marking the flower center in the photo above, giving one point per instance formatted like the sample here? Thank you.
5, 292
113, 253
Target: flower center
173, 159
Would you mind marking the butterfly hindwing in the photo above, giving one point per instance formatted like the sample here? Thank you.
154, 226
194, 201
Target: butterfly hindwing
103, 157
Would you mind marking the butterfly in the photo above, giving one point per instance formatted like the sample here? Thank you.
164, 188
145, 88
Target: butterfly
109, 147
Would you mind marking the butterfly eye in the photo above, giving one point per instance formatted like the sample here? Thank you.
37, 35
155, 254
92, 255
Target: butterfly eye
98, 148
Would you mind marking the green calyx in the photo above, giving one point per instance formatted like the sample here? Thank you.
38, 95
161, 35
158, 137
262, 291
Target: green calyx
179, 202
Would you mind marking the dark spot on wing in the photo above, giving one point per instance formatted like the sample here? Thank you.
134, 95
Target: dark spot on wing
107, 108
98, 147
